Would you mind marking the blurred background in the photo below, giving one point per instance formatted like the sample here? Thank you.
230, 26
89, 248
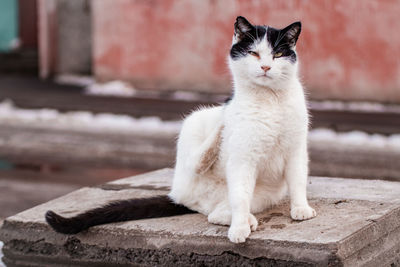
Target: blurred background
92, 91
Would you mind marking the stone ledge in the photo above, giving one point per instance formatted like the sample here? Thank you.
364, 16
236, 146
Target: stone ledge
358, 224
65, 147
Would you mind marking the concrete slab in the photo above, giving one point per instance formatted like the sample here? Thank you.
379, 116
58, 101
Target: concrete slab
358, 224
19, 195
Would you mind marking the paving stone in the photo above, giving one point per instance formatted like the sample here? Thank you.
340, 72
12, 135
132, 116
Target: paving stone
358, 224
19, 195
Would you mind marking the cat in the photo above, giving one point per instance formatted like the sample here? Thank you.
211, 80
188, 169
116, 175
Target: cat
239, 158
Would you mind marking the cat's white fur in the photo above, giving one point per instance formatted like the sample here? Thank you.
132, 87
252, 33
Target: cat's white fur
239, 159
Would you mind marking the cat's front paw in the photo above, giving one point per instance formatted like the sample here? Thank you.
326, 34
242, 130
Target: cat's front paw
239, 233
302, 213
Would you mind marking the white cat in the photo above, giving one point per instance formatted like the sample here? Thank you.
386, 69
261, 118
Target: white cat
238, 159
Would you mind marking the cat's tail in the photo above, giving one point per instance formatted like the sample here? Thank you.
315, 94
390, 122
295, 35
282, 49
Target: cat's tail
119, 211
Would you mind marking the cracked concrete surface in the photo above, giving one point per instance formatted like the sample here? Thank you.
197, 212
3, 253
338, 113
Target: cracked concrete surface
358, 224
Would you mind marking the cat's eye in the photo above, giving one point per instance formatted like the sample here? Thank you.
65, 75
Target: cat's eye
253, 53
279, 54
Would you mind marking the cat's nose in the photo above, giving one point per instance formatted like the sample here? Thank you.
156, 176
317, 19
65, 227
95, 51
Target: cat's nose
265, 68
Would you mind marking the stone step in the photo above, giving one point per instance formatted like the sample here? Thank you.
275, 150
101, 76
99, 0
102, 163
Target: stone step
64, 149
358, 224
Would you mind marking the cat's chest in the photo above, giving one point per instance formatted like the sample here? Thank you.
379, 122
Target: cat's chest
264, 126
264, 119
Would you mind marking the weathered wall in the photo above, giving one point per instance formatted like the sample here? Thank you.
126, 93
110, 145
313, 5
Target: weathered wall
348, 49
74, 40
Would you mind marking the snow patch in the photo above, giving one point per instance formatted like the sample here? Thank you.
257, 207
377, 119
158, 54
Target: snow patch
113, 88
84, 120
185, 96
106, 122
71, 79
355, 138
355, 106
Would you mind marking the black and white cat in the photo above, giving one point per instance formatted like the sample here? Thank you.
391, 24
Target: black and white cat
236, 159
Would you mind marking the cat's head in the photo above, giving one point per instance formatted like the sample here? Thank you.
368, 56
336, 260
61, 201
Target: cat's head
262, 55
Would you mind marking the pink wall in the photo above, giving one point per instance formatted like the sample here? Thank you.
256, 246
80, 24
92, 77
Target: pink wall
348, 49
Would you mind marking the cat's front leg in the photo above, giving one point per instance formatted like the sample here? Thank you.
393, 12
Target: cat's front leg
296, 176
241, 179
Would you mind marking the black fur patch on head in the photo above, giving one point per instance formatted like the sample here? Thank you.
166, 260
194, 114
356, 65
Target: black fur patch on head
281, 40
247, 35
284, 40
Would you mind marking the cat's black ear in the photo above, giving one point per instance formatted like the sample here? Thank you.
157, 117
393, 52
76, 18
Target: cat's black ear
242, 26
292, 33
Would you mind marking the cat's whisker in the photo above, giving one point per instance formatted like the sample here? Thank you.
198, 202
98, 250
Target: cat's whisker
279, 39
250, 36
